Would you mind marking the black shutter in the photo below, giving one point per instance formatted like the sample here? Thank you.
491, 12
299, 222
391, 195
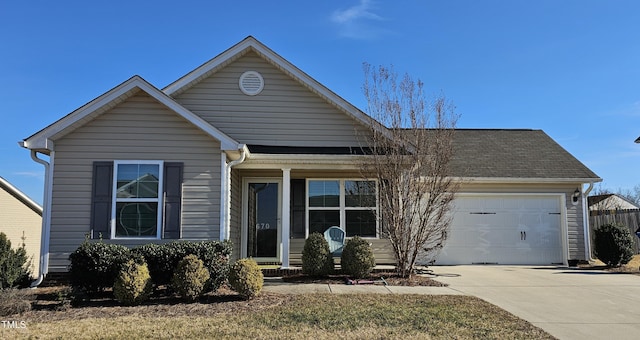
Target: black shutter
172, 199
298, 201
101, 194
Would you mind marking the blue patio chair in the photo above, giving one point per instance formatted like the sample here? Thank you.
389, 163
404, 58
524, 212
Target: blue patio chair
335, 238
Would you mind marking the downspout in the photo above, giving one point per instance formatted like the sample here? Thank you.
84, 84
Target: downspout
585, 217
46, 221
243, 155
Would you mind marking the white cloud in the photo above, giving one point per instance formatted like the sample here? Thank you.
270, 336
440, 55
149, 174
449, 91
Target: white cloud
31, 174
354, 22
361, 10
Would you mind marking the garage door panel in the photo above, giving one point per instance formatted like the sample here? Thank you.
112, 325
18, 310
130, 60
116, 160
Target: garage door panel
505, 229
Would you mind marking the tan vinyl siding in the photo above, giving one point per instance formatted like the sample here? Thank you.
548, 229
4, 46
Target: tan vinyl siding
137, 129
18, 220
285, 113
382, 251
236, 213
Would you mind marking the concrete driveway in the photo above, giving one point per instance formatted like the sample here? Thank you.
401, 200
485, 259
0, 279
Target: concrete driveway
568, 303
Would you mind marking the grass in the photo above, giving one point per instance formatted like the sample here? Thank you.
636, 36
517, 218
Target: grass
324, 316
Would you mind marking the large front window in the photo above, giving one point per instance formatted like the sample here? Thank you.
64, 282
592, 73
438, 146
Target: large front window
348, 204
136, 211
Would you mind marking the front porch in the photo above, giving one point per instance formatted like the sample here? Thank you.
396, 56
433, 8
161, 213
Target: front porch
273, 210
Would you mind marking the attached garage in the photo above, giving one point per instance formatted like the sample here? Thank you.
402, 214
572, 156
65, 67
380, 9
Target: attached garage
506, 229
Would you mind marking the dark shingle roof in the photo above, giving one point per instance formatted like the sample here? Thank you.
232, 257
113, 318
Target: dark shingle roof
514, 154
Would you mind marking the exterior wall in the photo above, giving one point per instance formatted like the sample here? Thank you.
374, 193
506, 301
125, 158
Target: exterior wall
236, 214
137, 129
575, 217
285, 113
18, 220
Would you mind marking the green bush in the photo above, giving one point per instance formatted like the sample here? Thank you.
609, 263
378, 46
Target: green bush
190, 278
245, 277
316, 257
133, 284
163, 259
613, 244
14, 264
14, 301
160, 261
95, 266
357, 258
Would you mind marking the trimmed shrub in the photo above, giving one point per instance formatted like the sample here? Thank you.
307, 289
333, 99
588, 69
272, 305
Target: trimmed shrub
95, 266
190, 278
245, 277
163, 259
316, 257
13, 301
160, 261
133, 284
357, 258
14, 264
613, 244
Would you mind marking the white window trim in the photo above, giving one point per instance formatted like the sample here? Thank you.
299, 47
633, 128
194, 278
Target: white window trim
159, 199
342, 208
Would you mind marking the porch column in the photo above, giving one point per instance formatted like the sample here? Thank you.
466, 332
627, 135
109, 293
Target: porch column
286, 207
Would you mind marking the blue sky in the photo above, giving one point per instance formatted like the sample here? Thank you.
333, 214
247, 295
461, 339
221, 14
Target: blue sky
570, 68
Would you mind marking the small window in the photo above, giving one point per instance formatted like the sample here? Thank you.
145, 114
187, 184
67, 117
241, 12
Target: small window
136, 211
349, 204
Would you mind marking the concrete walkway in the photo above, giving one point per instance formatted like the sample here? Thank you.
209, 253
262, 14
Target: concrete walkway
275, 285
567, 303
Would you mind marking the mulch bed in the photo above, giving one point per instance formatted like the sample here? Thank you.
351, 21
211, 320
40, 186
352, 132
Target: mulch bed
391, 278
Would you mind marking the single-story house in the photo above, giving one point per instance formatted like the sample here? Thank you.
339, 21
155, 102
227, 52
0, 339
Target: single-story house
609, 202
249, 148
21, 221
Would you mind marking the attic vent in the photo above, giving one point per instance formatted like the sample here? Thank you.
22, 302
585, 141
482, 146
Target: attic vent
251, 83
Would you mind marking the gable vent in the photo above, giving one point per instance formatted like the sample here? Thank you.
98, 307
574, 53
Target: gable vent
251, 83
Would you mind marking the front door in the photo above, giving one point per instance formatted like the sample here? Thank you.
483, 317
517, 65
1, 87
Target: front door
262, 219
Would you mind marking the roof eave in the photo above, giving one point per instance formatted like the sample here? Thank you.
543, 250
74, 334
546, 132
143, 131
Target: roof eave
41, 141
250, 43
526, 180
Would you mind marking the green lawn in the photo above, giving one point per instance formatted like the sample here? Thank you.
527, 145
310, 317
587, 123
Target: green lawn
316, 316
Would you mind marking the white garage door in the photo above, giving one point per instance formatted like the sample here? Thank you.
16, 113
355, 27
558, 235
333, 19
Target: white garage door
507, 229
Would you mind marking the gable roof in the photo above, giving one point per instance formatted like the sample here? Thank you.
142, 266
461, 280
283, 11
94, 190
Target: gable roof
610, 202
20, 196
515, 154
41, 140
252, 44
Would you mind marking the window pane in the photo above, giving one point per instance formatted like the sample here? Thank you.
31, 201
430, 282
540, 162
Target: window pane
137, 180
324, 193
360, 193
361, 223
321, 220
136, 219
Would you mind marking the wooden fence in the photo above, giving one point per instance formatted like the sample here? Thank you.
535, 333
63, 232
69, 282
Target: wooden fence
629, 218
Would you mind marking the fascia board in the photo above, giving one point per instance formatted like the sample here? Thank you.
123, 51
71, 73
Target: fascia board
284, 65
496, 180
41, 140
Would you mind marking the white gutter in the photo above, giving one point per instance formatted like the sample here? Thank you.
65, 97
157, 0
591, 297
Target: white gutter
585, 217
46, 217
225, 229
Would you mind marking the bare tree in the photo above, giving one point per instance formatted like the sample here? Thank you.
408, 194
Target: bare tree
410, 145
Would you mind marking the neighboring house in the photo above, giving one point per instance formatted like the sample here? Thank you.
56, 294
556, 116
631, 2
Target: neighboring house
249, 148
21, 220
610, 202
